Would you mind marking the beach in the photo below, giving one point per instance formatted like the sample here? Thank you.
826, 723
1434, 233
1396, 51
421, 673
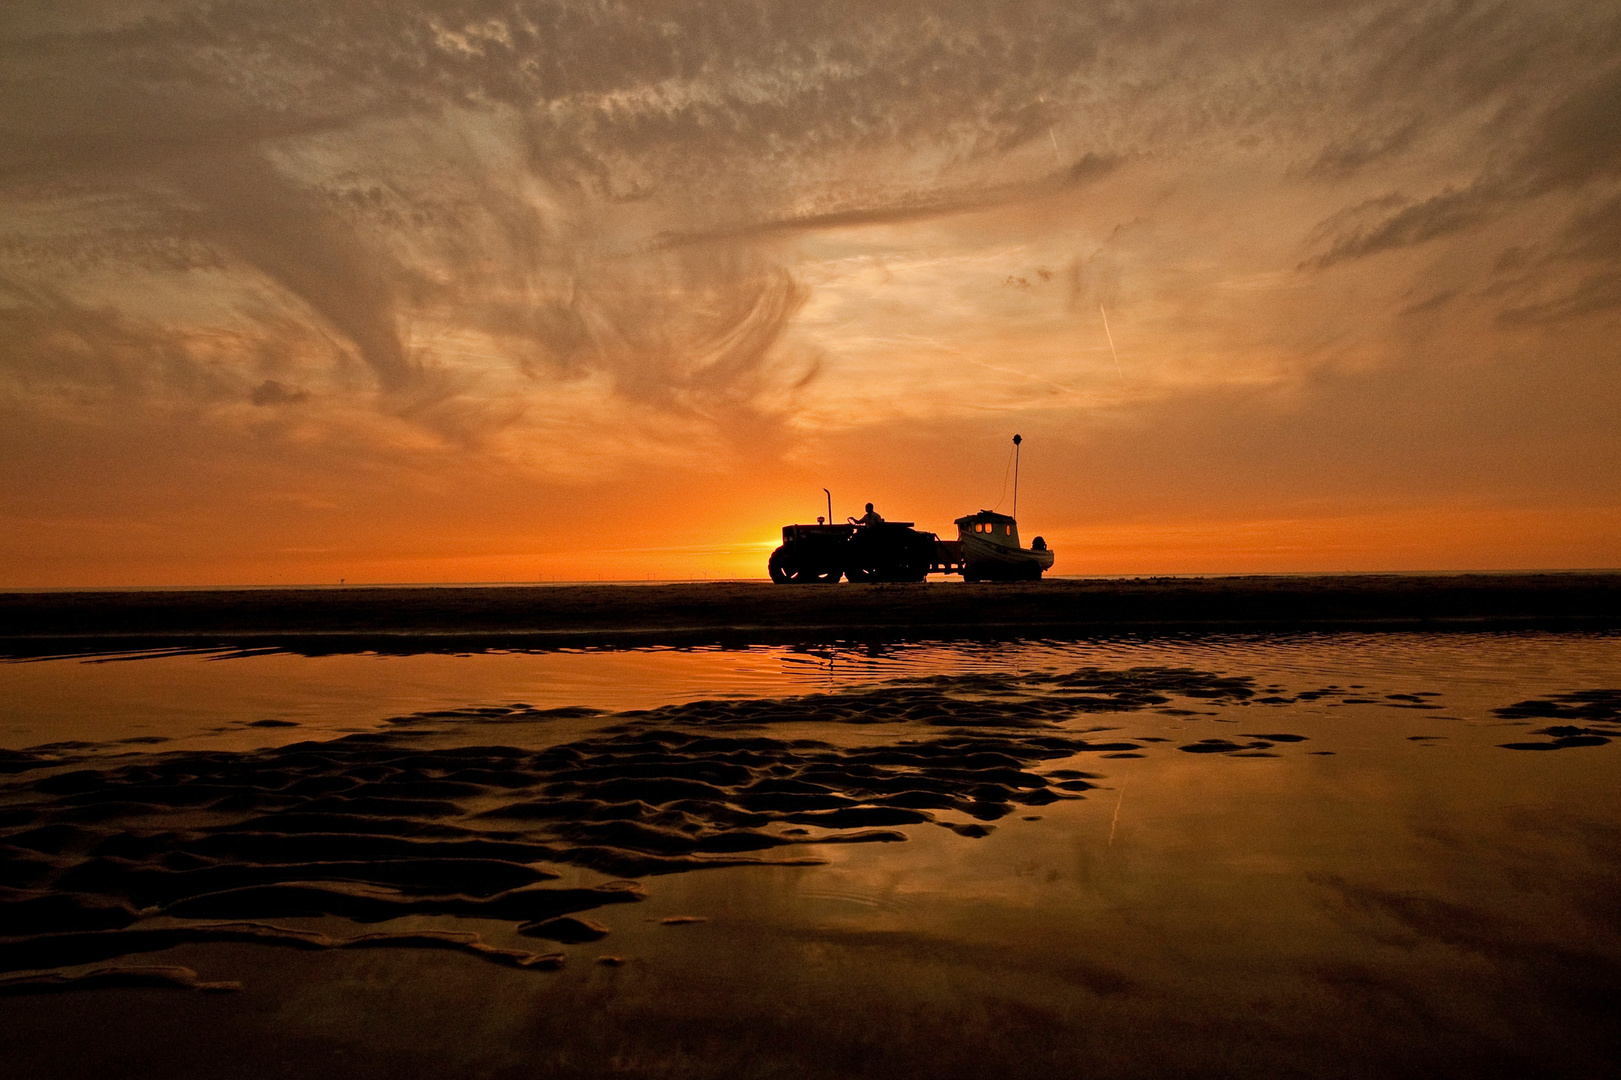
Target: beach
794, 540
1281, 850
422, 618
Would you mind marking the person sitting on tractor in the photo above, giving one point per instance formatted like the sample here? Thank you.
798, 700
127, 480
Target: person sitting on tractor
869, 518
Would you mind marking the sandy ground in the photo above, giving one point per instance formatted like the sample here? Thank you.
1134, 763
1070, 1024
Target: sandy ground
741, 613
929, 877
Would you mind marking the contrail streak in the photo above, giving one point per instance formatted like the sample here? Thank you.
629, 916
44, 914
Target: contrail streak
1112, 353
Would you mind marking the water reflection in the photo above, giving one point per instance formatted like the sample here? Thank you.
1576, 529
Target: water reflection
213, 698
1218, 857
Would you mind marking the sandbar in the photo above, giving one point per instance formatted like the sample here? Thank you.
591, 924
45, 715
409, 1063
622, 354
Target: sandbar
317, 621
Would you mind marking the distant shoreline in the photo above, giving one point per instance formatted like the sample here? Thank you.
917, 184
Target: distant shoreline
400, 619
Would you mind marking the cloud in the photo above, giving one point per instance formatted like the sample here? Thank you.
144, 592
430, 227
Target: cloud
917, 206
494, 225
1438, 216
59, 355
239, 202
272, 392
1352, 154
1572, 144
1577, 141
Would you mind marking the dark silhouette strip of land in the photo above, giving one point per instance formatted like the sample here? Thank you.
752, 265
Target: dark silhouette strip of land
409, 619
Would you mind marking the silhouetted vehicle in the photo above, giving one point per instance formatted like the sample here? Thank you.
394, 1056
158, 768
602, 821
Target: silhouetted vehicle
810, 553
990, 548
872, 549
889, 551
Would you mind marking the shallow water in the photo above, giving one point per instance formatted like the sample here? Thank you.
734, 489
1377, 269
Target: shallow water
1313, 856
211, 699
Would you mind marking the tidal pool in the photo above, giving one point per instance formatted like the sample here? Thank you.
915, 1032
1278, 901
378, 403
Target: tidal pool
1323, 855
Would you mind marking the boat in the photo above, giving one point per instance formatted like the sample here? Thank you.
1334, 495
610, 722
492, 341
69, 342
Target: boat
989, 542
991, 551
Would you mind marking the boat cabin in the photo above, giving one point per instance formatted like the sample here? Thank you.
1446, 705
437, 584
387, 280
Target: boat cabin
998, 529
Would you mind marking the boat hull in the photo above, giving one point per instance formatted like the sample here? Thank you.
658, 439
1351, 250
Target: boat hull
986, 559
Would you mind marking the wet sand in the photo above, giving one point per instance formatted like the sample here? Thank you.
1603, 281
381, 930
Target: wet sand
417, 619
1139, 872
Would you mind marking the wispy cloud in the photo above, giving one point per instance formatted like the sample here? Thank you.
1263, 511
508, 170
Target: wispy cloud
365, 234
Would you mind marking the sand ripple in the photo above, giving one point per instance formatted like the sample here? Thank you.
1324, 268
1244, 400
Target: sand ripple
1598, 713
102, 858
111, 858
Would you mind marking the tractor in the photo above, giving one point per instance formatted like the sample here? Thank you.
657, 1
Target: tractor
887, 551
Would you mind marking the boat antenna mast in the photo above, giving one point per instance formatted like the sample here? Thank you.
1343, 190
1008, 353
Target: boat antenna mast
1016, 441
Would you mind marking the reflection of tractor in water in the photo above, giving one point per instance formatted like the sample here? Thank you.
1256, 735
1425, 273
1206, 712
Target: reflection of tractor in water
886, 551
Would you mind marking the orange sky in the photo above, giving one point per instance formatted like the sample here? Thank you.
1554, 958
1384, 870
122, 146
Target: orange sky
525, 290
